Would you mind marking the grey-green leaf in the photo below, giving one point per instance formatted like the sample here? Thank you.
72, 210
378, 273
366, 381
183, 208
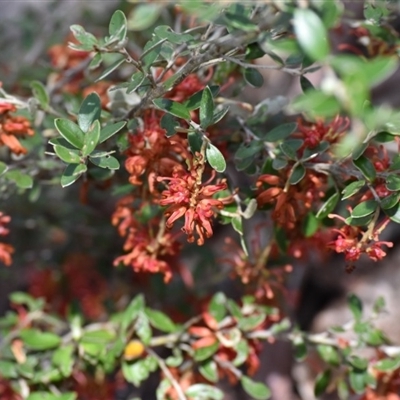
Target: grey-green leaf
110, 130
118, 25
108, 162
70, 132
89, 111
72, 173
91, 139
206, 108
311, 33
215, 158
257, 390
172, 107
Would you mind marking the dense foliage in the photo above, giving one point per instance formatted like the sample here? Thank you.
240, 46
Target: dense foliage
149, 124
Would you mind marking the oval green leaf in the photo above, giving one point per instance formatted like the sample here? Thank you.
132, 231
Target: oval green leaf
70, 131
172, 107
89, 111
37, 340
364, 209
257, 390
215, 158
280, 132
311, 33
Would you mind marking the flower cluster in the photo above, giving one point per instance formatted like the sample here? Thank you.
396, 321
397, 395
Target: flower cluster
188, 196
291, 202
13, 127
6, 250
147, 244
314, 132
353, 241
151, 153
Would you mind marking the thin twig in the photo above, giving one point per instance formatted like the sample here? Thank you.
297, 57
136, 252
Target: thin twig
167, 373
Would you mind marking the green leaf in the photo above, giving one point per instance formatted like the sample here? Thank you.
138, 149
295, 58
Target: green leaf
206, 108
219, 114
310, 225
67, 155
3, 168
290, 146
249, 150
152, 49
143, 16
118, 25
242, 353
91, 139
62, 359
166, 32
26, 299
317, 104
70, 132
297, 174
194, 100
208, 370
257, 390
87, 40
135, 372
96, 61
22, 180
136, 80
89, 111
50, 396
169, 123
111, 68
253, 77
37, 340
321, 383
72, 173
237, 224
352, 188
40, 93
328, 206
204, 353
215, 158
143, 329
329, 354
217, 306
305, 84
172, 107
365, 208
280, 132
300, 348
384, 137
366, 167
251, 322
311, 33
390, 201
355, 306
393, 182
386, 365
108, 162
8, 369
160, 320
110, 130
357, 381
239, 20
195, 140
279, 163
201, 391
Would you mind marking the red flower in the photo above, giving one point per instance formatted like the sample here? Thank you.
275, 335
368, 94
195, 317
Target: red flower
187, 196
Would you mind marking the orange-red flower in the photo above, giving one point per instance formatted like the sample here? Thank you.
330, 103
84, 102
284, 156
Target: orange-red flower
188, 196
6, 250
13, 126
147, 244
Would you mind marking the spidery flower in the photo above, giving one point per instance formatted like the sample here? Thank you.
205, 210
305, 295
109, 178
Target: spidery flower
12, 128
187, 196
6, 250
147, 244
